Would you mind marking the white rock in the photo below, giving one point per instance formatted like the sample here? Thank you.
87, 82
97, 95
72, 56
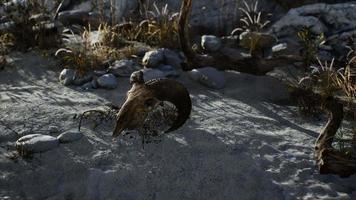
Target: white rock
35, 143
210, 43
67, 77
107, 81
70, 136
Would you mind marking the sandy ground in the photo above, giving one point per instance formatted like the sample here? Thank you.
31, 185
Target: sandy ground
242, 142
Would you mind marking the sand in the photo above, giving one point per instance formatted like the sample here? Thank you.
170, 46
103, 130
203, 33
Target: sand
242, 142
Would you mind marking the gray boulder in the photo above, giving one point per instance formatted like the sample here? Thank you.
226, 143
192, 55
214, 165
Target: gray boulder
80, 17
123, 68
210, 43
70, 136
169, 71
149, 74
35, 143
216, 16
67, 77
81, 79
172, 58
209, 77
153, 59
107, 81
320, 18
87, 86
94, 83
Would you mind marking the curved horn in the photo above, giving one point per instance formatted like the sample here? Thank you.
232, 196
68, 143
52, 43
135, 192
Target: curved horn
174, 92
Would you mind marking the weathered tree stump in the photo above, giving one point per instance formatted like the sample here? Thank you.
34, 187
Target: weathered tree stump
329, 160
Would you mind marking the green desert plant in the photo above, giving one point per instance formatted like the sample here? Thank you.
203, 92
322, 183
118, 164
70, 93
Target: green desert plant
310, 44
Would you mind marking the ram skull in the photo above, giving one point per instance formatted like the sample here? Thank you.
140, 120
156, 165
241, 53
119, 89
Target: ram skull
143, 97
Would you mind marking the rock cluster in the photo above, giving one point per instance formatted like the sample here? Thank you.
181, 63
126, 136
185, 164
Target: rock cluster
160, 63
37, 143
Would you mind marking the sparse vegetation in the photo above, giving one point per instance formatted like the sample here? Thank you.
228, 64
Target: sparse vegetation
322, 79
91, 50
253, 19
310, 43
346, 79
253, 24
157, 28
30, 25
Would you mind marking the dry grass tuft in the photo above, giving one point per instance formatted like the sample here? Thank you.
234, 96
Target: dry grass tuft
346, 78
253, 19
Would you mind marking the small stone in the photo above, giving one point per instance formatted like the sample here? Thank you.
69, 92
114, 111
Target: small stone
123, 68
67, 77
279, 47
153, 59
149, 74
70, 136
107, 81
210, 43
209, 77
35, 143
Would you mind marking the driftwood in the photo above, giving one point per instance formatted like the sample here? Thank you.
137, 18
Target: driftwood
221, 59
328, 159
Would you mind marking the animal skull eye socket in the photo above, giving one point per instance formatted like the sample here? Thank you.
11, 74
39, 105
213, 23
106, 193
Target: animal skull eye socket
150, 102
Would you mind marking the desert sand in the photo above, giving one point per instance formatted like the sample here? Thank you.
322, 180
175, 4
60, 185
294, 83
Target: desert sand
242, 142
